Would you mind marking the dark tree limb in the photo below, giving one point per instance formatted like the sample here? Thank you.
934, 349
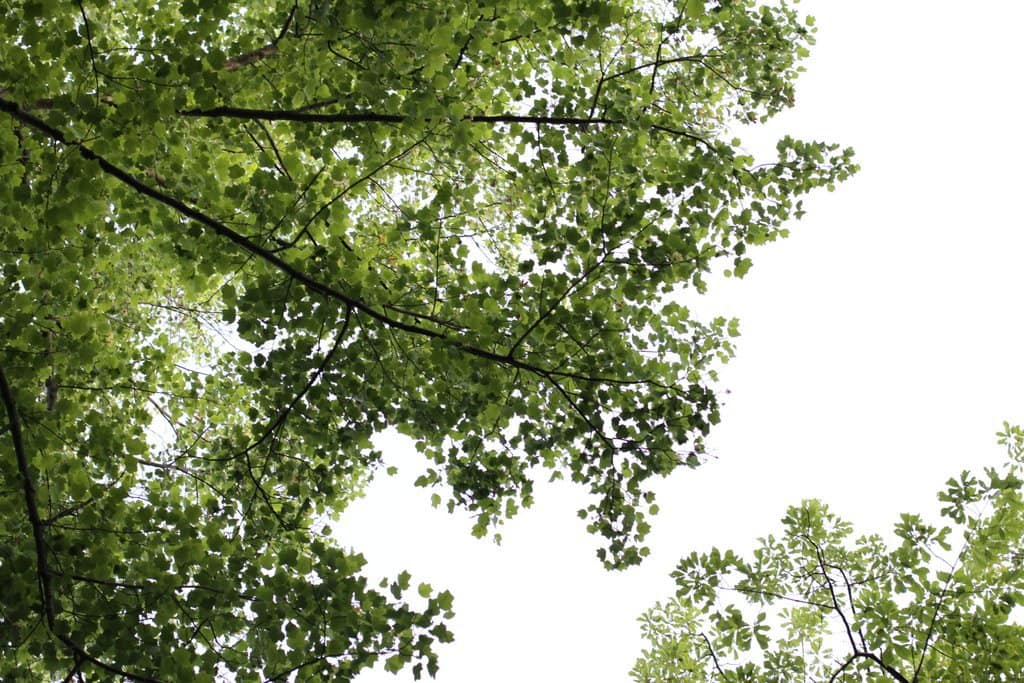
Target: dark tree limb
305, 116
835, 607
714, 657
31, 500
285, 268
857, 653
302, 116
43, 570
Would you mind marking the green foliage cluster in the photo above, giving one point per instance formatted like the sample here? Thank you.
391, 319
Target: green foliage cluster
818, 604
239, 240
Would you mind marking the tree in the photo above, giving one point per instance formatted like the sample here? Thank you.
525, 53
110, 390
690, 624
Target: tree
817, 604
240, 241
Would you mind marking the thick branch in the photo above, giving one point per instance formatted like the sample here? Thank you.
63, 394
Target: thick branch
305, 116
43, 571
896, 675
266, 255
714, 657
853, 606
832, 592
857, 653
31, 504
301, 116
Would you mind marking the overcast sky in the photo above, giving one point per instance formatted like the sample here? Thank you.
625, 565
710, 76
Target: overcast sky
880, 351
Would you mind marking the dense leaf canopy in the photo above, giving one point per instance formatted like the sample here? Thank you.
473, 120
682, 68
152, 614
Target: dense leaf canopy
818, 604
238, 241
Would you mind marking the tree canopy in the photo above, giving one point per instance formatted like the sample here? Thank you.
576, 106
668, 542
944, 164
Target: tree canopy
238, 241
816, 603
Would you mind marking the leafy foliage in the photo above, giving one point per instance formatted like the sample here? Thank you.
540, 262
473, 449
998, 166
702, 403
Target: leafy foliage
818, 604
238, 241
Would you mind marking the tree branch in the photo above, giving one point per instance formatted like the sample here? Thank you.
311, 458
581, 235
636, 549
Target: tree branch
832, 592
656, 63
301, 116
304, 116
845, 665
286, 268
261, 53
31, 501
556, 302
857, 653
43, 571
896, 675
853, 607
778, 596
714, 657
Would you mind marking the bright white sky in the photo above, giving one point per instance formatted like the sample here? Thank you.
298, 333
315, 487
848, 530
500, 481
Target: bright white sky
880, 351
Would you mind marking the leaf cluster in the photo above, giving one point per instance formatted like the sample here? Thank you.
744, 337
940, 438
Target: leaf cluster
817, 603
238, 242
